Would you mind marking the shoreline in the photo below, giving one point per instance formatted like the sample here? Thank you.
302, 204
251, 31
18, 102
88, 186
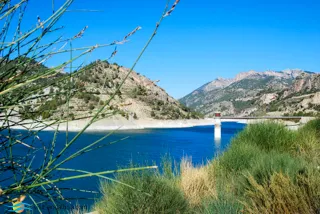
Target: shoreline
111, 124
123, 124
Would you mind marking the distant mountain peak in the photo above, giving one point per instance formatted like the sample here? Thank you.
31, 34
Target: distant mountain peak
252, 92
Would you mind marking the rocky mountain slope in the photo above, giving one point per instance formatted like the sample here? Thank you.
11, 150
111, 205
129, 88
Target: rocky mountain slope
139, 97
259, 93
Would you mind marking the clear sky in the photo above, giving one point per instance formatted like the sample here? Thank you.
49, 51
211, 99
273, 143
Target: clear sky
201, 40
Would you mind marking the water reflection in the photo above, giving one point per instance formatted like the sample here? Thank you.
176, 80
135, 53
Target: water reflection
217, 145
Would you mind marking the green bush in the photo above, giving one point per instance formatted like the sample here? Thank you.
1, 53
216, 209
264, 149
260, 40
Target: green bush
45, 114
308, 142
312, 126
274, 162
222, 205
239, 157
157, 195
267, 136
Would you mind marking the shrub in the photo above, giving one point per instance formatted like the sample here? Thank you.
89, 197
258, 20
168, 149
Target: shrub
267, 136
239, 157
275, 162
196, 183
222, 204
45, 114
308, 142
158, 196
312, 126
282, 195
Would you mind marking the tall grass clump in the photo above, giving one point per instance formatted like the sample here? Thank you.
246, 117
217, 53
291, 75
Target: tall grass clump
267, 136
239, 156
281, 195
274, 162
269, 169
153, 193
222, 204
197, 183
308, 142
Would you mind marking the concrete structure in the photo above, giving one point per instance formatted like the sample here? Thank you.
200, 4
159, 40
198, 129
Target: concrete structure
217, 126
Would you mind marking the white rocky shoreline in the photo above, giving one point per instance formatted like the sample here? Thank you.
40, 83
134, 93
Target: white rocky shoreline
109, 124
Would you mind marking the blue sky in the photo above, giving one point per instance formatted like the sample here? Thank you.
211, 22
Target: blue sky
201, 40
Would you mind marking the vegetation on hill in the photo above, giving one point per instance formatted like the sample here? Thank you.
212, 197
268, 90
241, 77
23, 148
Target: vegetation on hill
95, 83
267, 168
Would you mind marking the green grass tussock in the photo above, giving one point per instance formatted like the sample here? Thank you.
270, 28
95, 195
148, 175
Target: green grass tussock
239, 157
269, 169
267, 136
222, 204
274, 162
153, 194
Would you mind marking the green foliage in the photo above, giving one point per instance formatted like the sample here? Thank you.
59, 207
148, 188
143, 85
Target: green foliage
265, 152
312, 126
252, 83
152, 194
45, 115
267, 167
222, 204
241, 105
274, 162
139, 91
239, 157
267, 136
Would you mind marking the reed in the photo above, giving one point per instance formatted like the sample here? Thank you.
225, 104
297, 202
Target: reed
23, 79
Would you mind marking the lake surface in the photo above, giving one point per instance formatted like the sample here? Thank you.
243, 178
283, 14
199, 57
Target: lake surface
143, 147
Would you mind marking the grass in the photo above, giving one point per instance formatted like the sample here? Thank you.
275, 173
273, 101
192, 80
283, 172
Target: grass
267, 169
196, 182
157, 194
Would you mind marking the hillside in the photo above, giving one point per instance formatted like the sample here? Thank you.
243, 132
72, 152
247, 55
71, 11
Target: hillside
259, 93
139, 97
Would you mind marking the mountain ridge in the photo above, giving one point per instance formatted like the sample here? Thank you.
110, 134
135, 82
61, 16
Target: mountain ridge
248, 92
139, 97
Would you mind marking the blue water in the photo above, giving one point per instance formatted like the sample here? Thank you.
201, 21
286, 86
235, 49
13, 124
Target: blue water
143, 147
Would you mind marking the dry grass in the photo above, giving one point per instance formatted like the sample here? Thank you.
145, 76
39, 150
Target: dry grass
197, 183
283, 196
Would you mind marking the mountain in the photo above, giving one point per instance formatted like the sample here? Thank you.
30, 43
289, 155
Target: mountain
290, 91
139, 97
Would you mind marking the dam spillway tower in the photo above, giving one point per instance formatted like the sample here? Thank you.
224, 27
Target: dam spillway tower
217, 125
